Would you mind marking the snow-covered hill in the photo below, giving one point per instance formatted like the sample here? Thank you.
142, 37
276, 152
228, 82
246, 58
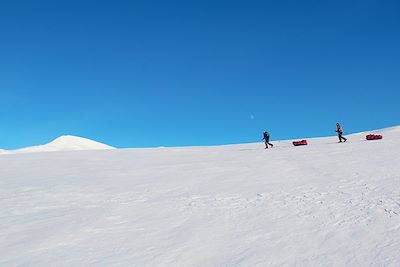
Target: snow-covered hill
326, 204
62, 143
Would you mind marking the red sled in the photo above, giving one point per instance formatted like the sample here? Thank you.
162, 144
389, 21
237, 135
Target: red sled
374, 137
300, 143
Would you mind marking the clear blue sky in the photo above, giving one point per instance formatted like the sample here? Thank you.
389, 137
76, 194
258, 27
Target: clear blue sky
171, 73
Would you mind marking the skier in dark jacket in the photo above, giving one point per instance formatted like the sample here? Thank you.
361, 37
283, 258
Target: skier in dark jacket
339, 130
266, 138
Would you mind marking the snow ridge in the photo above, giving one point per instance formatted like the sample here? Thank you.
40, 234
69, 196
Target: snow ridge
63, 143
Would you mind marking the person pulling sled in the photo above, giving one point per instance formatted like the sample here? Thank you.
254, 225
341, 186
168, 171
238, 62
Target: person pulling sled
266, 138
339, 130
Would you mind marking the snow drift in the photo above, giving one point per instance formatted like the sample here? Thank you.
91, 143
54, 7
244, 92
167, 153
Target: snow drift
325, 204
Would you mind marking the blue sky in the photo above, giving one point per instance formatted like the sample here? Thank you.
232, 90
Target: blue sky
172, 73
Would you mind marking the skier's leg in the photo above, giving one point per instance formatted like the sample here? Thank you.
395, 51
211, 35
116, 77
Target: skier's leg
342, 138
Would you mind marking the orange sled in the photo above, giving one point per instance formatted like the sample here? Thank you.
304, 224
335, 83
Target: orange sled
374, 137
300, 143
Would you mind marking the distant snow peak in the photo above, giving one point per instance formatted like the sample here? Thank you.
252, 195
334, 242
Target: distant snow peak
66, 143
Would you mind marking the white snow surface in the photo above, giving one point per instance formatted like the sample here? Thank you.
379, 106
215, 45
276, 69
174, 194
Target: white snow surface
325, 204
62, 143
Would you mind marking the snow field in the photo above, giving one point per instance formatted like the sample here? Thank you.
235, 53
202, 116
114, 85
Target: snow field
325, 204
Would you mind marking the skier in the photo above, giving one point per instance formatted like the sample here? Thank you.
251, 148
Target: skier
339, 130
266, 138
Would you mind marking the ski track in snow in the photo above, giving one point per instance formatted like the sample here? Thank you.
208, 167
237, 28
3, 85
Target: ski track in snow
322, 205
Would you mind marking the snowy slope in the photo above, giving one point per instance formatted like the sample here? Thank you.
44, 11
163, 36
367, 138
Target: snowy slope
63, 143
326, 204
